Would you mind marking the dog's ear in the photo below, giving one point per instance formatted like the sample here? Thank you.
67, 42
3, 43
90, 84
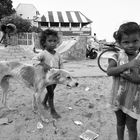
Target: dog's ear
55, 74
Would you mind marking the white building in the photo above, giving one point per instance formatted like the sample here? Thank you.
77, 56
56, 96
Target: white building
28, 11
68, 23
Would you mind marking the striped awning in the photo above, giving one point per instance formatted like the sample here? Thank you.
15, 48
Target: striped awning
64, 17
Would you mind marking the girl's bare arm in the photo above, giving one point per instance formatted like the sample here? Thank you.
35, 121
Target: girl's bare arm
114, 70
133, 77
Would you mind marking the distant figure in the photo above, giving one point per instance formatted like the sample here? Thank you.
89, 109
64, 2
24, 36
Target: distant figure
92, 46
95, 38
7, 30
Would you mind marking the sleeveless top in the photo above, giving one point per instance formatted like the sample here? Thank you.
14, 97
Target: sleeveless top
125, 95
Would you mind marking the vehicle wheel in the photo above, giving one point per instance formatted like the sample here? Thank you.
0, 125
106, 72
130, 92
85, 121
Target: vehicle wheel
93, 55
102, 60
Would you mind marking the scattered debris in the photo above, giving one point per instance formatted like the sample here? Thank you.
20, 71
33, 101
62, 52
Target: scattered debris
39, 125
88, 135
70, 108
78, 123
87, 89
3, 121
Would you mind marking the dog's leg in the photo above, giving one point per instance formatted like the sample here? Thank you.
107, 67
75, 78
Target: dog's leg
45, 100
50, 90
5, 87
38, 89
34, 103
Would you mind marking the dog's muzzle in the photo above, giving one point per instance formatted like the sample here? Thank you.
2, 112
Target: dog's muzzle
76, 84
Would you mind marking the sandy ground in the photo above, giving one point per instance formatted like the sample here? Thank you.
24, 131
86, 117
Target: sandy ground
87, 103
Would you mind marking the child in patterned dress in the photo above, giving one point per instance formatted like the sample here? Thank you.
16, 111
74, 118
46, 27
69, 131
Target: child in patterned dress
124, 67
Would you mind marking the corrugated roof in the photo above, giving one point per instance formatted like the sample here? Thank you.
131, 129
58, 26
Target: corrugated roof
66, 16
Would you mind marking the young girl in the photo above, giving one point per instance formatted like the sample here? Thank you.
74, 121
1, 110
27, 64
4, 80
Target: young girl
49, 40
125, 69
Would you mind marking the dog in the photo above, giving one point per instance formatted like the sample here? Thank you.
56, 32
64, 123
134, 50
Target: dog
36, 77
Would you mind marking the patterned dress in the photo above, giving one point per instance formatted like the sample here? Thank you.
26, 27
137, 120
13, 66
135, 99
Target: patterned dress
53, 60
125, 94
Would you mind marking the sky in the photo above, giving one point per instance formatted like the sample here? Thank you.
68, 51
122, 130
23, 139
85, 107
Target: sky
106, 15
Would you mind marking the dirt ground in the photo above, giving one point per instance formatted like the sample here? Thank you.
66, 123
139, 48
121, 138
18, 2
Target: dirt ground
87, 103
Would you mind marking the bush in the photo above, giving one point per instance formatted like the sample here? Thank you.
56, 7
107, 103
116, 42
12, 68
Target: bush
22, 25
35, 29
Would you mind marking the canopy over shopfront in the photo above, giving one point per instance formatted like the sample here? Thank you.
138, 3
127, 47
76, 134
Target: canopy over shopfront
69, 23
64, 17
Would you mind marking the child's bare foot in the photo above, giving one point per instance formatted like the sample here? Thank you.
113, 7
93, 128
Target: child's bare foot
45, 105
55, 115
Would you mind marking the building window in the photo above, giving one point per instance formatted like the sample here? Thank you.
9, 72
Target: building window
44, 24
75, 24
64, 24
54, 24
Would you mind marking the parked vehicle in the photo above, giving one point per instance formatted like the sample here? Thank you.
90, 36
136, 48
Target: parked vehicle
91, 53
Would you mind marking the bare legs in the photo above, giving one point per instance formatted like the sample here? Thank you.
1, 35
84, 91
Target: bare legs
132, 127
49, 98
131, 123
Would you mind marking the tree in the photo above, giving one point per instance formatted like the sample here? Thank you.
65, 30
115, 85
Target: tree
22, 25
35, 29
6, 8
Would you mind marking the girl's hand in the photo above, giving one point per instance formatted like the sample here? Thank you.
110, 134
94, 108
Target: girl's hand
134, 78
134, 64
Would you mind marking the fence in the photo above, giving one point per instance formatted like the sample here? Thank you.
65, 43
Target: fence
77, 51
21, 39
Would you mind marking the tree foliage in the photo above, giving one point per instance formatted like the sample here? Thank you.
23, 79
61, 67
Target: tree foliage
22, 25
8, 15
35, 29
6, 8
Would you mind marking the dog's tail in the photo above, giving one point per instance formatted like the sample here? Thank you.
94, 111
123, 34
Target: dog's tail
5, 81
6, 77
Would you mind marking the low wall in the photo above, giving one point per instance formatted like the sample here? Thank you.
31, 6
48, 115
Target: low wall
77, 51
20, 39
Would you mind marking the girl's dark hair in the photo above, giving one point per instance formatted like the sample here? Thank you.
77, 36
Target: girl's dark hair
126, 28
45, 34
